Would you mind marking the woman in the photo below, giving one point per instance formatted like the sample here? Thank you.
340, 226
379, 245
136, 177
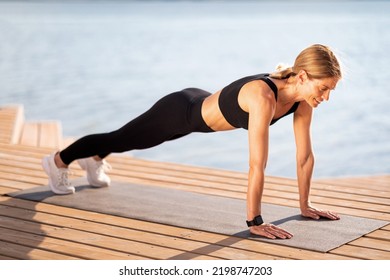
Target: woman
253, 103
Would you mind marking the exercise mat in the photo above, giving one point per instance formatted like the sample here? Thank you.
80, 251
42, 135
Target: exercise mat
205, 212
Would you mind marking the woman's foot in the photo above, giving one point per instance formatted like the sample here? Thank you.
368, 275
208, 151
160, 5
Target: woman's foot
58, 177
96, 171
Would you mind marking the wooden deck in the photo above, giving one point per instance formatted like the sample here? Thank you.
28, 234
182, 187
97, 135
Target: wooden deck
30, 230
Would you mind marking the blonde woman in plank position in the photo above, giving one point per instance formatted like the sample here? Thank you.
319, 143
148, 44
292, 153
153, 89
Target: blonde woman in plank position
253, 103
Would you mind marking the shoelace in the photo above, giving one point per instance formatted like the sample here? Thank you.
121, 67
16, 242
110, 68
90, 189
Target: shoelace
103, 166
63, 179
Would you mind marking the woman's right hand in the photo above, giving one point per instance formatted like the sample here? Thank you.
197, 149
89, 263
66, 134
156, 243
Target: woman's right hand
270, 231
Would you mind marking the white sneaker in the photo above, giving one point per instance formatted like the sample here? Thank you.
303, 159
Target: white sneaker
96, 171
58, 177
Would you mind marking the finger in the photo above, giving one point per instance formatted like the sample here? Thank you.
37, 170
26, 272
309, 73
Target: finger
327, 214
263, 233
273, 232
279, 232
332, 216
335, 216
268, 234
312, 215
282, 231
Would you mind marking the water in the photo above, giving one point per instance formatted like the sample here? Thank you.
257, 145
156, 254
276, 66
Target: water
96, 65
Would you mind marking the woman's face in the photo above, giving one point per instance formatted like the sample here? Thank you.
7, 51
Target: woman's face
318, 90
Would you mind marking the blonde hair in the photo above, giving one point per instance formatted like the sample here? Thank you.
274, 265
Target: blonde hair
318, 61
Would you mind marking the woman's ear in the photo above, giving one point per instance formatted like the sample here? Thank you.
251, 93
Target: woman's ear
302, 76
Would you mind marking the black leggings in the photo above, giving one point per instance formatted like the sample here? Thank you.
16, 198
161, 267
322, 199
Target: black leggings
172, 117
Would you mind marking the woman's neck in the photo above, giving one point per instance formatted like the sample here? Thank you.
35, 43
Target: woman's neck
287, 91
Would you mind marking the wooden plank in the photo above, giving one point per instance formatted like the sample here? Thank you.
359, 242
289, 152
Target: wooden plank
21, 252
30, 134
11, 123
368, 182
380, 234
352, 204
352, 190
363, 253
63, 247
29, 168
42, 134
16, 185
372, 243
18, 124
4, 137
5, 190
192, 179
358, 183
330, 193
22, 150
387, 227
19, 164
6, 258
33, 173
50, 134
23, 178
129, 161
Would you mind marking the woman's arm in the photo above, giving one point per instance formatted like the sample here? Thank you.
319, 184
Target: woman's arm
305, 162
261, 110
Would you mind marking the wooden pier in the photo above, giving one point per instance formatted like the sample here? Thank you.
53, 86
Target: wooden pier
31, 230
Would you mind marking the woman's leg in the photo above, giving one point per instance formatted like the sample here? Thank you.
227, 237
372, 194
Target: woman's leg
172, 117
166, 120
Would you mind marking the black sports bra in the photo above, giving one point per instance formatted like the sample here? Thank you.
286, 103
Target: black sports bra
231, 110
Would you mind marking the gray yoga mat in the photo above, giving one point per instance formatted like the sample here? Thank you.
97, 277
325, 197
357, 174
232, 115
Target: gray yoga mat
205, 212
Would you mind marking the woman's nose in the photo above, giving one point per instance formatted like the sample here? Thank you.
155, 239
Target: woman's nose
326, 95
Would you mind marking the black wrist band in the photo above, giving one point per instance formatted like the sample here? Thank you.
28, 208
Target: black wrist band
258, 220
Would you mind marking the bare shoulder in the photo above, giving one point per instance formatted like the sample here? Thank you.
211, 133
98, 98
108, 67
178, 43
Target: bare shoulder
256, 94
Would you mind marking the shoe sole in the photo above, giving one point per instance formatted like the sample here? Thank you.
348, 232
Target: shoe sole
46, 168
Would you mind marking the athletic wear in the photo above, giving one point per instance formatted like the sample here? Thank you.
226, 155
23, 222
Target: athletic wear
96, 171
172, 117
231, 110
58, 177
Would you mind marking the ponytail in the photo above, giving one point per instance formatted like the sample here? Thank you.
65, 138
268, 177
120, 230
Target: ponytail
317, 60
283, 71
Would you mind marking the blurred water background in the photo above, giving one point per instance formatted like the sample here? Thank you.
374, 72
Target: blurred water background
94, 65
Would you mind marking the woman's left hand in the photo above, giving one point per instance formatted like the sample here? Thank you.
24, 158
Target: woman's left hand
314, 213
